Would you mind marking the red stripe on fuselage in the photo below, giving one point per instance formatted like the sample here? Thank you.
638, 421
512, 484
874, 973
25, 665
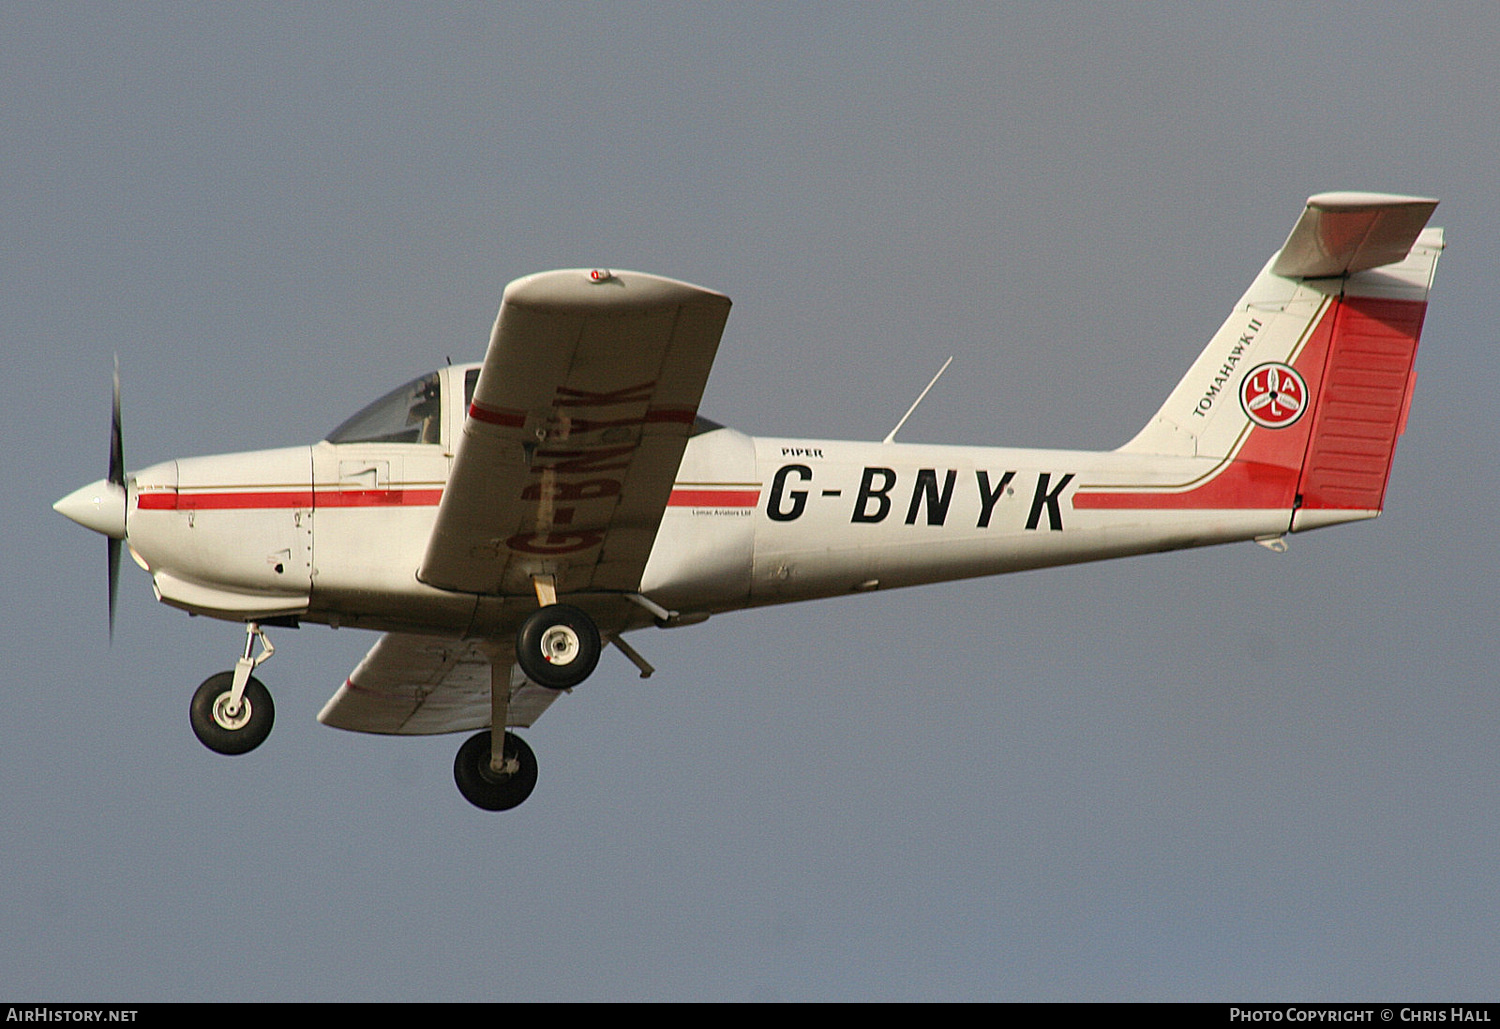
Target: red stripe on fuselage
237, 501
380, 498
271, 501
1240, 485
266, 500
714, 498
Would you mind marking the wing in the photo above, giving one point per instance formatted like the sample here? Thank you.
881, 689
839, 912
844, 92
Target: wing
578, 423
421, 685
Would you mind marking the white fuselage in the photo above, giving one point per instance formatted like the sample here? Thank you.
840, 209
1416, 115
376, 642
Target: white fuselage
335, 533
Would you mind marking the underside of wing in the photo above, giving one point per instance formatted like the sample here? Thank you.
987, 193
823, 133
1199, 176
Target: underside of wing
1344, 233
589, 391
411, 685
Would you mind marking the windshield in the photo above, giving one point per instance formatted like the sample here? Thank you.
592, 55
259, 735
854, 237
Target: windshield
410, 414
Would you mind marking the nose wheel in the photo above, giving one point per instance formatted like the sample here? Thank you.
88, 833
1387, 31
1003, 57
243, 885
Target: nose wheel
232, 712
226, 727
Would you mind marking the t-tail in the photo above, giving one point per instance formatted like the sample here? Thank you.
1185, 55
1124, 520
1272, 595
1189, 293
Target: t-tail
1300, 397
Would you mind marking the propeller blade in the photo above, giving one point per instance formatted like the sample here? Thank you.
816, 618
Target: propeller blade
116, 442
117, 477
114, 581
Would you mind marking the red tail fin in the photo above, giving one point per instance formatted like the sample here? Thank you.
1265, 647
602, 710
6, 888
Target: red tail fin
1361, 407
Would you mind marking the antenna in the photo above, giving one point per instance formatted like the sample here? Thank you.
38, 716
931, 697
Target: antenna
891, 436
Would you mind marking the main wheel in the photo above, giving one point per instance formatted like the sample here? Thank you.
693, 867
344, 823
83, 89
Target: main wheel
231, 732
481, 786
557, 646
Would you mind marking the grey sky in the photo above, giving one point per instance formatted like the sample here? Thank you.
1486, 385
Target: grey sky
1215, 774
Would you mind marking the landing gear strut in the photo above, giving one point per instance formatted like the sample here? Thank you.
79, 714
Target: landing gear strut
232, 712
557, 646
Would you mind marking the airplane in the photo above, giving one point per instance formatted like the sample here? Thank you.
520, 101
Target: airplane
501, 523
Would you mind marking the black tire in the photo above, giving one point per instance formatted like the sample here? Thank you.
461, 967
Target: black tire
226, 735
557, 646
482, 787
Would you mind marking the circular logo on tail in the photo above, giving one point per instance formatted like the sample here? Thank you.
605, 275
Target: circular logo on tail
1273, 395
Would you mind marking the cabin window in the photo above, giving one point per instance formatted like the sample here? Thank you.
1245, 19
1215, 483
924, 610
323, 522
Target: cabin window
411, 414
471, 379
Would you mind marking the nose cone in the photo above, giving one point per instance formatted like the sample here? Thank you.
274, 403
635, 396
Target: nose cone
99, 506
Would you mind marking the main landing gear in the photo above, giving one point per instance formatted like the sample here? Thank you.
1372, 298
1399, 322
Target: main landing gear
485, 787
557, 646
232, 712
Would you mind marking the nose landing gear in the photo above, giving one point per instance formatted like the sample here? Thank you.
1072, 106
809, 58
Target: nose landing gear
232, 712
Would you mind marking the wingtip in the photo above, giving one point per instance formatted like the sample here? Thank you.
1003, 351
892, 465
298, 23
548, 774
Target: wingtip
605, 288
1350, 201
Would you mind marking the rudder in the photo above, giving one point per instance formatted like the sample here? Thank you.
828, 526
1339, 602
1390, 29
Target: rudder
1366, 388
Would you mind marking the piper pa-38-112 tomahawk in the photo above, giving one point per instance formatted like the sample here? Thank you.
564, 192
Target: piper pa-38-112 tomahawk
502, 522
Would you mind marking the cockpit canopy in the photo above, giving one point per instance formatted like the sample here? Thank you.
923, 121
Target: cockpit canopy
413, 413
409, 414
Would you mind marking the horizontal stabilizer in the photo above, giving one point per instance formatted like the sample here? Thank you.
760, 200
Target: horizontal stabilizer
1343, 233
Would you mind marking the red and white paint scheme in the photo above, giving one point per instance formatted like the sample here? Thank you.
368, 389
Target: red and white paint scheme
501, 522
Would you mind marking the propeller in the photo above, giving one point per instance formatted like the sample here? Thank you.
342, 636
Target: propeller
116, 478
101, 506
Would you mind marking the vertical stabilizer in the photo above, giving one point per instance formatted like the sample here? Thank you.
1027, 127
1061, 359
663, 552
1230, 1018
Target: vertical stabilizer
1308, 382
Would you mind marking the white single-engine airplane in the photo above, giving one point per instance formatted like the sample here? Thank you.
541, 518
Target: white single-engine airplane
501, 522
